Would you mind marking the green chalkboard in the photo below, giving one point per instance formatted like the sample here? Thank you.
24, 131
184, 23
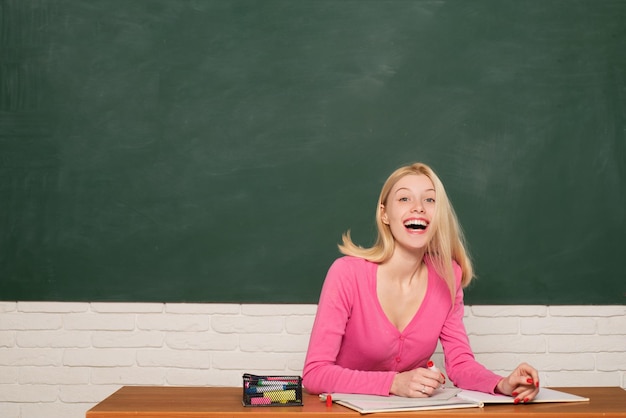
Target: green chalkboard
215, 150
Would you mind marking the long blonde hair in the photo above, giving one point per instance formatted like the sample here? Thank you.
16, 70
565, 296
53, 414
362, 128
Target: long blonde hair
447, 242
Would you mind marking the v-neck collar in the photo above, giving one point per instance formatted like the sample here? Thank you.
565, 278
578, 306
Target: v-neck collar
379, 307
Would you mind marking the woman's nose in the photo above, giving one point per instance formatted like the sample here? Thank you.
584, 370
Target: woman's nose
418, 207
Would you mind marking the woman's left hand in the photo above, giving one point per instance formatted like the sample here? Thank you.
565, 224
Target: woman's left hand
523, 384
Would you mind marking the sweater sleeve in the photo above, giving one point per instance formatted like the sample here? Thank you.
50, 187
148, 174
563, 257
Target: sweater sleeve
461, 365
321, 372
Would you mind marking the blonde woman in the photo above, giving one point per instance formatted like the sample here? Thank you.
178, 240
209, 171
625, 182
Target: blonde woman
383, 309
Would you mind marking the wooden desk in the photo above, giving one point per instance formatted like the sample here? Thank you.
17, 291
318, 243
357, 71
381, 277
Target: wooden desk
221, 402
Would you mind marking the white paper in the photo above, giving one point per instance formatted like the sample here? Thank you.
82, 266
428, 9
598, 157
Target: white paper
445, 398
441, 399
544, 395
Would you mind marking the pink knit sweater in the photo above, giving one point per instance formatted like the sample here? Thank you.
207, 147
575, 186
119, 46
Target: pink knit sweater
354, 348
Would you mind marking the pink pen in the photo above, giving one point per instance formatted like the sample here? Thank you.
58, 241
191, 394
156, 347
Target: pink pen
260, 401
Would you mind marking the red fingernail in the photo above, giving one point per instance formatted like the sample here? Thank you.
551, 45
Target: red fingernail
529, 380
537, 383
514, 393
516, 401
526, 400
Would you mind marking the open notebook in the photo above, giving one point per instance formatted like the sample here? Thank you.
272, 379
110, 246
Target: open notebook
447, 398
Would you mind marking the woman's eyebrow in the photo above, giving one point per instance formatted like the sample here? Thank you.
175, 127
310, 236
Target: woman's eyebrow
409, 190
402, 189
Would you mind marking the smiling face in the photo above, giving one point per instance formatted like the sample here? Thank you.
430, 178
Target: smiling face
409, 211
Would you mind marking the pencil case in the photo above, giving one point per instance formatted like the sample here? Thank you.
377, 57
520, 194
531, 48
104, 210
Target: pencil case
272, 390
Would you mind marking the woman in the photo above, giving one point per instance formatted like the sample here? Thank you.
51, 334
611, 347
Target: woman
382, 309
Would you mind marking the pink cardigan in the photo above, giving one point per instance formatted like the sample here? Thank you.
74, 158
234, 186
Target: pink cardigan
355, 349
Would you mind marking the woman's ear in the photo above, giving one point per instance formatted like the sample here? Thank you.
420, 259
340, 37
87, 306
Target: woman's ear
383, 215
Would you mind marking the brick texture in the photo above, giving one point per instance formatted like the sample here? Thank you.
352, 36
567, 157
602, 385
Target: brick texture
59, 359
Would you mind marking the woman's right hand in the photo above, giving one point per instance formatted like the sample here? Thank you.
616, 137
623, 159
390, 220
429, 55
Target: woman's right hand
417, 383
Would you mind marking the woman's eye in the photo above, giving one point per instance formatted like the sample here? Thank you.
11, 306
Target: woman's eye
429, 200
404, 199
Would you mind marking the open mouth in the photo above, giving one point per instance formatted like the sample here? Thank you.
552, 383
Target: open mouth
416, 224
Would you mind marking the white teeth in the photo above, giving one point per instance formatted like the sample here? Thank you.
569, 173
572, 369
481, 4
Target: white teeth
416, 224
419, 222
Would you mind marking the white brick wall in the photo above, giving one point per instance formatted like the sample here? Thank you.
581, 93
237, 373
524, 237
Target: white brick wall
58, 359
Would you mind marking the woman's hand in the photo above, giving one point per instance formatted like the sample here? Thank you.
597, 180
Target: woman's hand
523, 384
417, 383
